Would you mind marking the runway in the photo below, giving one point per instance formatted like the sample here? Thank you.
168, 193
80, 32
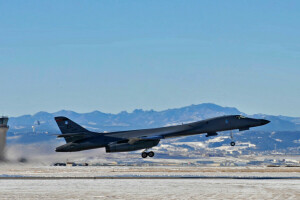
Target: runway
122, 182
144, 177
129, 189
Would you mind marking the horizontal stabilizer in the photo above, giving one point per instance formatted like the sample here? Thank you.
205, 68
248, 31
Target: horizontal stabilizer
70, 135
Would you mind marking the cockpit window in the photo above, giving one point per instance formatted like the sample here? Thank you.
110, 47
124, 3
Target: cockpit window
240, 117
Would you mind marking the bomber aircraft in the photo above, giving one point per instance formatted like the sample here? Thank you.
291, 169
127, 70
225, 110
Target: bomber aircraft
78, 138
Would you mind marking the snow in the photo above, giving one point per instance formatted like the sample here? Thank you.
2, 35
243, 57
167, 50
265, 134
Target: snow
192, 144
297, 141
149, 189
239, 146
217, 139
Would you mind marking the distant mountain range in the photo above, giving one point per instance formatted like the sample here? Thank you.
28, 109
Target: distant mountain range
286, 128
99, 121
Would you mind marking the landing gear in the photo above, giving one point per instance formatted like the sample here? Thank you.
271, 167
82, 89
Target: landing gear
232, 143
151, 154
145, 154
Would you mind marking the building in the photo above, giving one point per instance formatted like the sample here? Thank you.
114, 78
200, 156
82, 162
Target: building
3, 129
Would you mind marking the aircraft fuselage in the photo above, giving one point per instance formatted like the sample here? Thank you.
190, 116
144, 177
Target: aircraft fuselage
147, 138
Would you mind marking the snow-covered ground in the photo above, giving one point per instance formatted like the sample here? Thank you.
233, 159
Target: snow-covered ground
150, 189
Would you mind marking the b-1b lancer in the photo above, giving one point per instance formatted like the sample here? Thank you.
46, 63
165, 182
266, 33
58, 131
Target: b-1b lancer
78, 138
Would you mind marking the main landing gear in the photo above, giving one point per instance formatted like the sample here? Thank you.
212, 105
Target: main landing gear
146, 154
232, 143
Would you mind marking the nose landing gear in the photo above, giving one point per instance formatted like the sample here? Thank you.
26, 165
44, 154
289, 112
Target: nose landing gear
146, 154
232, 143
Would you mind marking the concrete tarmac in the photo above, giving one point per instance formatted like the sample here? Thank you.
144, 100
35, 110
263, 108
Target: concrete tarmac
145, 177
148, 189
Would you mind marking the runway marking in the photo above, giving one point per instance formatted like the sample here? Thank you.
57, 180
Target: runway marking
145, 177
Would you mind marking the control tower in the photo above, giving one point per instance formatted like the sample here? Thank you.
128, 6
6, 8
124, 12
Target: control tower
3, 129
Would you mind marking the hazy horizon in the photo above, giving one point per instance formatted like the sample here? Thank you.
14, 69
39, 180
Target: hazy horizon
131, 111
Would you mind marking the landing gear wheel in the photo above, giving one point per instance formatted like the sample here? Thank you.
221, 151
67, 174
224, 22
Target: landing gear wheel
144, 155
151, 154
232, 143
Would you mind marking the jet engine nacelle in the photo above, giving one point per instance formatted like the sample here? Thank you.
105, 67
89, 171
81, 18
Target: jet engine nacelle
123, 147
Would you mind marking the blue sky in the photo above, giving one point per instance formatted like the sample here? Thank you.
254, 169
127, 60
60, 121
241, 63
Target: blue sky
121, 55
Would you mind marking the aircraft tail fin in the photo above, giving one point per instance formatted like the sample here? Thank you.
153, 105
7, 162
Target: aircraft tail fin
67, 126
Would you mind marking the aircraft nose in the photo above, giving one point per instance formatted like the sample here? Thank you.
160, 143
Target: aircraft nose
264, 121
